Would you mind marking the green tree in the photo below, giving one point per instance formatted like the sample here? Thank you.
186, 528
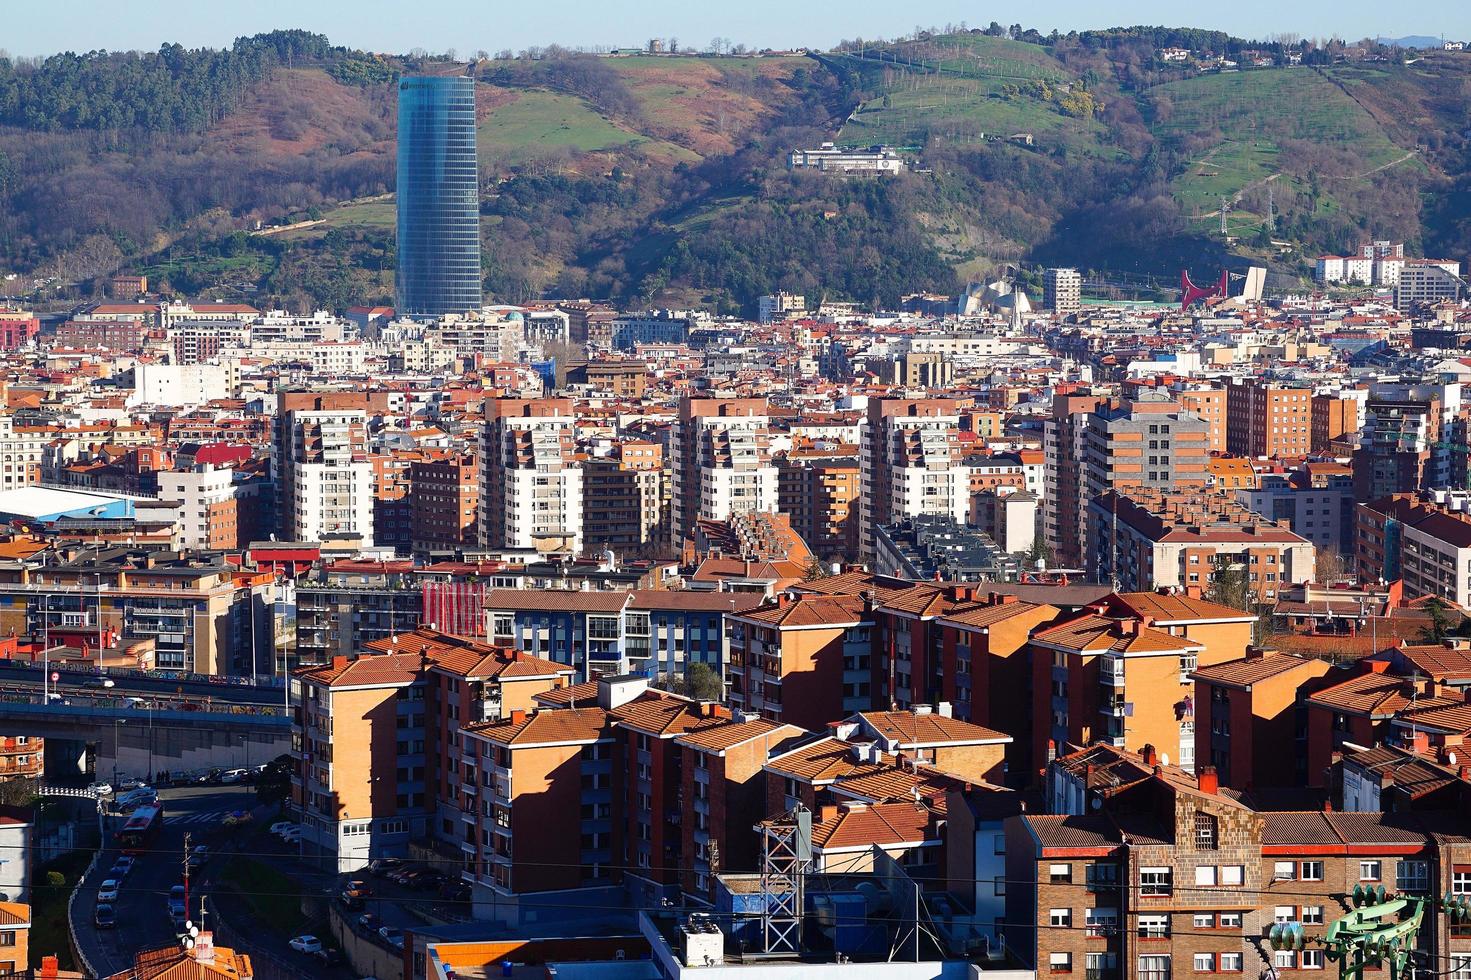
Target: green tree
1439, 626
816, 569
703, 683
273, 786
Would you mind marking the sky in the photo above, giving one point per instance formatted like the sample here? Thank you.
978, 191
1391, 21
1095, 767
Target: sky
492, 25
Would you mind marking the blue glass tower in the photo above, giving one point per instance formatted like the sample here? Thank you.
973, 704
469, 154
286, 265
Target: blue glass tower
438, 197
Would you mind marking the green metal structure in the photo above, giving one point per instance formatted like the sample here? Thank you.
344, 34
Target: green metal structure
1379, 931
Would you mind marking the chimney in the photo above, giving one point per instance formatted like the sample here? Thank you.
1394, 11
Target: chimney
49, 968
1255, 653
1464, 774
827, 813
1149, 755
1207, 781
338, 663
518, 716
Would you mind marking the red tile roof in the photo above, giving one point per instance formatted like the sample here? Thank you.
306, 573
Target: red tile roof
544, 727
860, 825
908, 729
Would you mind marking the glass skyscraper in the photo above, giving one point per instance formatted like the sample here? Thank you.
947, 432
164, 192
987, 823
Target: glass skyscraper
438, 197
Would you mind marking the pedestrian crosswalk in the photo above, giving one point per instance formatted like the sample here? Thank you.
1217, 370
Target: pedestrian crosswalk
195, 818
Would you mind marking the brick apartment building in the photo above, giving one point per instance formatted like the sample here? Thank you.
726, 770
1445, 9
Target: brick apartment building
1265, 419
444, 499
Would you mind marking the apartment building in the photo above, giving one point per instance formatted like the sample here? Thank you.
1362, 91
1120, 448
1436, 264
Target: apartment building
1361, 710
1150, 539
1209, 404
203, 616
1409, 440
1435, 556
819, 491
1264, 419
721, 462
803, 660
324, 482
444, 503
360, 742
1168, 876
1062, 290
1251, 722
649, 631
21, 450
1333, 418
1425, 282
1066, 497
911, 464
531, 488
724, 788
536, 804
626, 500
216, 512
1120, 672
1322, 513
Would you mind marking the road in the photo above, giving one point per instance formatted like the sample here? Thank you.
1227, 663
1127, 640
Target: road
27, 677
142, 913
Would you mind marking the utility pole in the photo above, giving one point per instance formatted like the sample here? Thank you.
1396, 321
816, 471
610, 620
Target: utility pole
186, 875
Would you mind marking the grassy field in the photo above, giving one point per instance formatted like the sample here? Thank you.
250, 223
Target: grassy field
48, 909
1249, 117
539, 124
964, 88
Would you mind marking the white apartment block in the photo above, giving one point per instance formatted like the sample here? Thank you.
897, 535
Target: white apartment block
331, 479
1435, 557
21, 450
178, 385
531, 488
911, 465
196, 492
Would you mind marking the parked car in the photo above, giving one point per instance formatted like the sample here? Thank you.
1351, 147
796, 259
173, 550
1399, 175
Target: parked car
121, 868
391, 936
330, 956
104, 917
107, 891
102, 682
306, 944
382, 867
237, 817
426, 881
101, 789
353, 903
130, 784
231, 776
368, 922
281, 825
357, 887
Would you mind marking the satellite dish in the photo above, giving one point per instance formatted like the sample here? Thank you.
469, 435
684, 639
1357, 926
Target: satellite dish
1450, 757
1164, 757
1097, 804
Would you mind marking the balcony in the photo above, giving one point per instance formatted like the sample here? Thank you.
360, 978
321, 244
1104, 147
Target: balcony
1111, 672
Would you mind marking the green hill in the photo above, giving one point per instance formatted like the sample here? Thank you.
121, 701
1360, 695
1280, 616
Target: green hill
662, 178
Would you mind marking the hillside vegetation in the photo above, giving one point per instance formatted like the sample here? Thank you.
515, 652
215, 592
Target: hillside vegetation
662, 179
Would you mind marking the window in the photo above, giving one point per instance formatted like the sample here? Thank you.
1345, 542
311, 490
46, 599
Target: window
1232, 875
1312, 871
1154, 927
1154, 968
1205, 876
1461, 880
1100, 922
1228, 920
1229, 963
1285, 913
1103, 877
1284, 959
1312, 915
1412, 876
1061, 873
1205, 962
1203, 920
1311, 959
1060, 962
1155, 882
1205, 823
1284, 871
1061, 918
1370, 870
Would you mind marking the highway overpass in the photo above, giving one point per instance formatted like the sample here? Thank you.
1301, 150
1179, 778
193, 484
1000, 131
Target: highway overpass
23, 675
120, 735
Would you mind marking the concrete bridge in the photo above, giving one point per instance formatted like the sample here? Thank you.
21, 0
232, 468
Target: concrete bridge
121, 738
